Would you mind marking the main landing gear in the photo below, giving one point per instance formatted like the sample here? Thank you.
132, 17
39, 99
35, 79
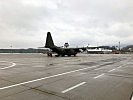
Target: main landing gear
49, 54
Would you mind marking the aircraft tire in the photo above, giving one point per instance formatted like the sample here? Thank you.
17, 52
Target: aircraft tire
57, 55
69, 55
74, 55
62, 55
49, 54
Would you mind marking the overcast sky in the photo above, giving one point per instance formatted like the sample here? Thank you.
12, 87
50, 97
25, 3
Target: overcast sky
24, 23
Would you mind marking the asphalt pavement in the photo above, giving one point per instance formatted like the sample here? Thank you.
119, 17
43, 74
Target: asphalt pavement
85, 77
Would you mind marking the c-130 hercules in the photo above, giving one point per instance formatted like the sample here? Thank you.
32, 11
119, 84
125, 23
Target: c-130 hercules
59, 50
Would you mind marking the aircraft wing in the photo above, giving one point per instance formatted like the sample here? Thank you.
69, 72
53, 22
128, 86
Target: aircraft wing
41, 47
79, 49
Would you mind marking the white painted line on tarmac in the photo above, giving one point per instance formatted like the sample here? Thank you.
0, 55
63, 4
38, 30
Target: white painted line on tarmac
71, 88
45, 78
82, 73
132, 98
111, 70
114, 69
129, 63
3, 61
98, 76
119, 67
13, 64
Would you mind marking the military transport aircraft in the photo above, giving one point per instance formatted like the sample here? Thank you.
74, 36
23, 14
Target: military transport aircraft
60, 50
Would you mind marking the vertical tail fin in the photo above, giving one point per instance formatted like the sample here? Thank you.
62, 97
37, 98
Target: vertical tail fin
49, 41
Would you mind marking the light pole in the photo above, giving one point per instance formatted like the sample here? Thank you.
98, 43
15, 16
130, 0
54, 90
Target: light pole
119, 45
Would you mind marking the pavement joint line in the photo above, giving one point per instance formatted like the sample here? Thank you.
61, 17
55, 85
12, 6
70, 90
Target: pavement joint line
99, 76
71, 88
6, 87
13, 64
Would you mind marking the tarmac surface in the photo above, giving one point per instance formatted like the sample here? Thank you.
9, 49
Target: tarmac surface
85, 77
